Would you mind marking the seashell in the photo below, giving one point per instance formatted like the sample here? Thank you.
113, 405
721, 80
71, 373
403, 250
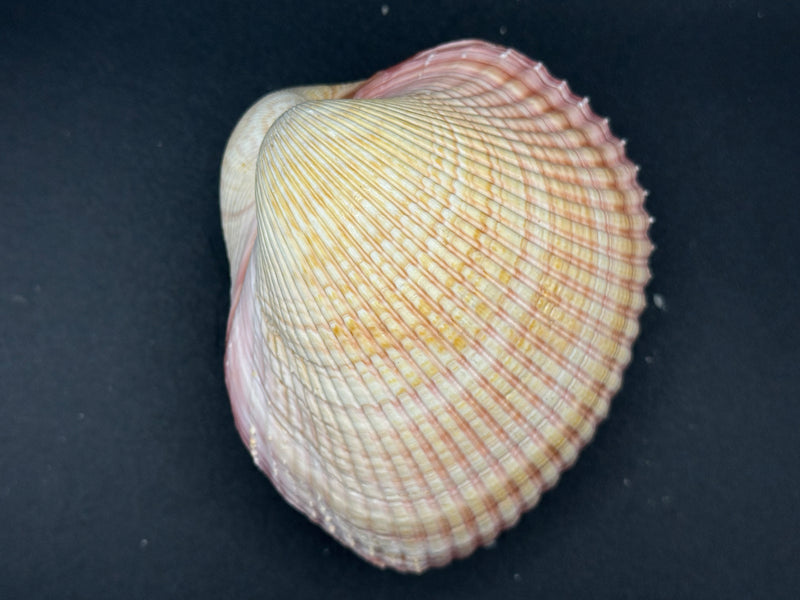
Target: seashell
437, 275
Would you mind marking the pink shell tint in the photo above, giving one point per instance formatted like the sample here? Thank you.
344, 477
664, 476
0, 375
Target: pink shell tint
437, 277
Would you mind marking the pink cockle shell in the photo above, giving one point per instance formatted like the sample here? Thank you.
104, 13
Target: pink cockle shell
437, 277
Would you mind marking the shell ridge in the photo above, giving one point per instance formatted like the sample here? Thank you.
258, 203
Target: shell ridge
590, 156
417, 288
288, 418
343, 407
567, 334
423, 442
594, 326
533, 431
612, 278
557, 124
356, 226
609, 272
500, 79
591, 296
444, 112
346, 410
589, 226
623, 169
280, 408
437, 67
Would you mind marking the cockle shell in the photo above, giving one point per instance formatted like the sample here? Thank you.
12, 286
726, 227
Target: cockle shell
437, 275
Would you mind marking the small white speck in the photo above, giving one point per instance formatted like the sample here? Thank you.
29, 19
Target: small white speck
503, 31
384, 9
253, 443
505, 54
143, 543
652, 220
517, 577
659, 302
463, 55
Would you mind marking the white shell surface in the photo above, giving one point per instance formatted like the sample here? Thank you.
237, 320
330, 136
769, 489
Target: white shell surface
437, 276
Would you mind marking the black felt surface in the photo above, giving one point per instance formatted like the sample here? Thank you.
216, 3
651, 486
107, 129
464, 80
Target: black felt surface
121, 474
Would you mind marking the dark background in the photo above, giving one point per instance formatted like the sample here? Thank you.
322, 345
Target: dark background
121, 474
